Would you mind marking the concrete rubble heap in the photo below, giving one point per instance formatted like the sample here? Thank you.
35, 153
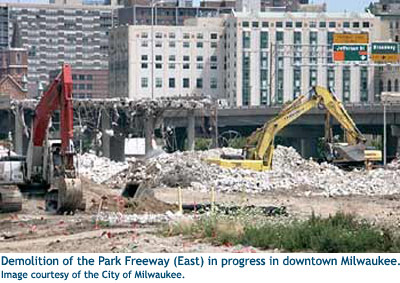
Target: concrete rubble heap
290, 173
99, 169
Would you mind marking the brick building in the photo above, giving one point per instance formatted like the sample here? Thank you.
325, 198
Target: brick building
87, 83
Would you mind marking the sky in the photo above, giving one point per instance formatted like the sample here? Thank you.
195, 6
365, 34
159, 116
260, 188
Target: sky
341, 5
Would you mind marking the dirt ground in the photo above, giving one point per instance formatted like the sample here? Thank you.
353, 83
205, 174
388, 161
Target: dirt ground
33, 230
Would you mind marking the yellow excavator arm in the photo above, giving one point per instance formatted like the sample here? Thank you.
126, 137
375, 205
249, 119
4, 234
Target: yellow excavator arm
258, 151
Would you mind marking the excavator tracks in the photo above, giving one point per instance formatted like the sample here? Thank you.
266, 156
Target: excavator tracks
10, 199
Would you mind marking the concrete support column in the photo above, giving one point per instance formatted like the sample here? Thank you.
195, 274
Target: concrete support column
309, 148
393, 146
149, 133
191, 130
105, 138
18, 139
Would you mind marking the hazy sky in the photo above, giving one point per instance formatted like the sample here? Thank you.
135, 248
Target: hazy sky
348, 5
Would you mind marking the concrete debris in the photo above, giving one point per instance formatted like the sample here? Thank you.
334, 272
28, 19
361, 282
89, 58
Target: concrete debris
113, 219
290, 172
99, 169
4, 152
136, 107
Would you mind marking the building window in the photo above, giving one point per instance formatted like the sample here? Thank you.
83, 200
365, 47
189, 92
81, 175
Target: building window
213, 83
199, 58
171, 66
82, 77
199, 36
144, 82
246, 39
171, 82
264, 39
186, 44
186, 36
186, 83
279, 24
389, 86
144, 35
255, 24
396, 85
199, 66
332, 24
199, 44
171, 35
172, 58
158, 35
199, 83
245, 24
214, 36
366, 24
89, 77
144, 57
299, 24
172, 44
322, 24
158, 57
214, 44
331, 78
346, 84
296, 82
158, 66
246, 78
289, 24
364, 84
313, 77
279, 37
186, 58
356, 24
264, 78
346, 24
265, 24
330, 40
89, 86
144, 65
158, 82
158, 44
313, 24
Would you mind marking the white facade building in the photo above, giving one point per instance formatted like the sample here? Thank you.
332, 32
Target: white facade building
274, 57
249, 59
188, 60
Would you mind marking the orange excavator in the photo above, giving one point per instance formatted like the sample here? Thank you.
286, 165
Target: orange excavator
49, 166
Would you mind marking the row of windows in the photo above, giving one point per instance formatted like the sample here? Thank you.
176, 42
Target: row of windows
82, 77
185, 66
213, 36
185, 44
83, 86
185, 58
185, 83
299, 24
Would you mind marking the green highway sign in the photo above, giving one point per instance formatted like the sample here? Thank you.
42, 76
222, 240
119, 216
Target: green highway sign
350, 52
385, 52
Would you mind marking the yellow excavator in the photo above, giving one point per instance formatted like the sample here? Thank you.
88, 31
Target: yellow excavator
258, 152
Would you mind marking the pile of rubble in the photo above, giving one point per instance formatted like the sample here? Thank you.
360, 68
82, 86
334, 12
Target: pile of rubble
290, 172
99, 169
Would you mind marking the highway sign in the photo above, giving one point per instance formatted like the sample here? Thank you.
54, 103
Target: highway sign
350, 52
386, 52
350, 38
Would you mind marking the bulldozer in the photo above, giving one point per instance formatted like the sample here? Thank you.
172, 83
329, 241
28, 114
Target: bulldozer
258, 152
49, 168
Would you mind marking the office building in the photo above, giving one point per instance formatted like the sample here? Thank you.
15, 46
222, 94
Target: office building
273, 58
56, 33
188, 60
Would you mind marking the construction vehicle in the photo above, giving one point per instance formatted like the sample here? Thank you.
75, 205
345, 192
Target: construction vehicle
258, 152
49, 166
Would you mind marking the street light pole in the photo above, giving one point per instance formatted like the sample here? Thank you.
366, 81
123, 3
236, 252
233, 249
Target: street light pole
384, 135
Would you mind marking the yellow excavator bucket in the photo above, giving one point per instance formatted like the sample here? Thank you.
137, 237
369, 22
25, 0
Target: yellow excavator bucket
373, 155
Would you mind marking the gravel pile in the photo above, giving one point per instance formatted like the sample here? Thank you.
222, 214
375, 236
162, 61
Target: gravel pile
290, 173
99, 169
